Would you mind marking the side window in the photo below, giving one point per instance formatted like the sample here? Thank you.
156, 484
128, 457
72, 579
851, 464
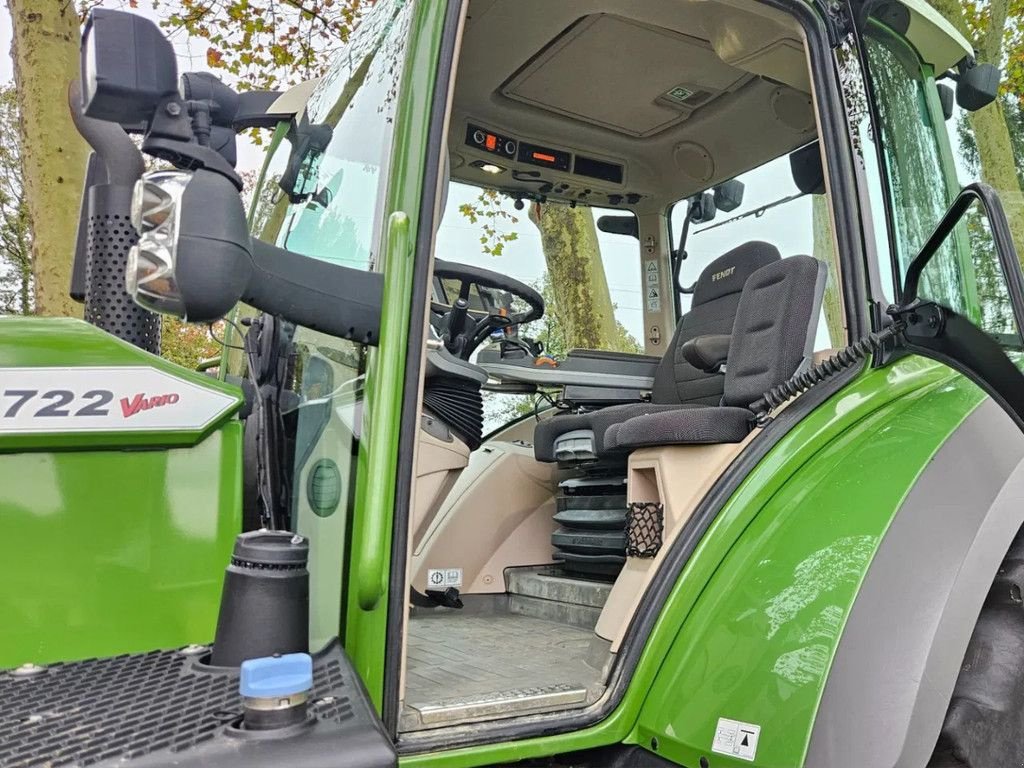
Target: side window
334, 171
775, 211
590, 280
335, 163
920, 178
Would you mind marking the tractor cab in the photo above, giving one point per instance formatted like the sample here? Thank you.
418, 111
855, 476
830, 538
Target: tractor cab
560, 338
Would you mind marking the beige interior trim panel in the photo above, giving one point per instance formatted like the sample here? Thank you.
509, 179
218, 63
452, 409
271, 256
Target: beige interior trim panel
678, 477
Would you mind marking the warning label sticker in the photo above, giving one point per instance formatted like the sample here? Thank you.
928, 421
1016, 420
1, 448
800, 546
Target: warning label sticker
442, 578
736, 739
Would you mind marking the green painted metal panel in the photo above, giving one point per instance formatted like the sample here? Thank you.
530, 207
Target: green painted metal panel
114, 541
757, 644
109, 552
64, 344
929, 400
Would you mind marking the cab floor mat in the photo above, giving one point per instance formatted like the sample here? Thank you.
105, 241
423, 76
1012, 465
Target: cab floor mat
467, 666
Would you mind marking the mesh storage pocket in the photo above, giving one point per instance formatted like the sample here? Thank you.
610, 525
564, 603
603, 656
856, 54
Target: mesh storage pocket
645, 524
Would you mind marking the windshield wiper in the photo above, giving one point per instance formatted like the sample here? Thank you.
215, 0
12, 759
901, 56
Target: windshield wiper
757, 212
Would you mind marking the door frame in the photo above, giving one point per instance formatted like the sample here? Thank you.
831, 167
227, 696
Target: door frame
610, 721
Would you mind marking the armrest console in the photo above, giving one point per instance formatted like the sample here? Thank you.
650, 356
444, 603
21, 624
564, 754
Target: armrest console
708, 353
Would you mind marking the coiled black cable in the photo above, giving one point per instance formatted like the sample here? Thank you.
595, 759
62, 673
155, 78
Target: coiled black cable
826, 369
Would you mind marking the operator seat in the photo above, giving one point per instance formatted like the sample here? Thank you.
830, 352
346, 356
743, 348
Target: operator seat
773, 338
677, 383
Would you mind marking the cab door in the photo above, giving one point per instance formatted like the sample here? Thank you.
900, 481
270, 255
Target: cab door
954, 223
345, 186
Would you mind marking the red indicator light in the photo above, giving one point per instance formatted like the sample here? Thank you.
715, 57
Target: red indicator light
542, 157
491, 142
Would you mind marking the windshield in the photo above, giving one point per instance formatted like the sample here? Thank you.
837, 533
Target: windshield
334, 163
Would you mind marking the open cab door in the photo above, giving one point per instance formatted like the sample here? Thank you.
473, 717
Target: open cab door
949, 277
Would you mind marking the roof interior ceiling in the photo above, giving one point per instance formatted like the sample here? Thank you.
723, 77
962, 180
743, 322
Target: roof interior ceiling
575, 75
597, 77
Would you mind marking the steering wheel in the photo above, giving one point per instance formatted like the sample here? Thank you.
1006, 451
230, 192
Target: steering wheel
461, 331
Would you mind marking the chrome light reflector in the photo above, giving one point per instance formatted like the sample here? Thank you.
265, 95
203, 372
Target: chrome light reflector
156, 214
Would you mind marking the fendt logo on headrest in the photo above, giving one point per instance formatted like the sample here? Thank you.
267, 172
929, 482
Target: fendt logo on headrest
141, 403
722, 275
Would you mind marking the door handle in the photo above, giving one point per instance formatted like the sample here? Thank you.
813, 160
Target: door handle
384, 409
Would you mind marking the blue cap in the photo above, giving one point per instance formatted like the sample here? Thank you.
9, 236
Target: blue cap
275, 676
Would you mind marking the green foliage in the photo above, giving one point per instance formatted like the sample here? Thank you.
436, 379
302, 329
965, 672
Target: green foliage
266, 43
16, 290
188, 344
489, 211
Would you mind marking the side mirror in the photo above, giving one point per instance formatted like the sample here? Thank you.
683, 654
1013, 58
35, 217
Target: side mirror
309, 142
196, 260
128, 67
619, 225
703, 209
729, 195
977, 86
947, 99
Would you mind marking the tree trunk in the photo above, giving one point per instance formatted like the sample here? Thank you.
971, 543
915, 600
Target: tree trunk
824, 250
583, 304
45, 53
991, 133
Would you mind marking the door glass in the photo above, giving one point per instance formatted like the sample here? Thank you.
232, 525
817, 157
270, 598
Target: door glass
484, 229
927, 159
333, 211
774, 211
921, 182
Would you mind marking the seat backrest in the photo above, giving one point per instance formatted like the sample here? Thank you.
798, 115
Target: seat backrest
713, 310
776, 322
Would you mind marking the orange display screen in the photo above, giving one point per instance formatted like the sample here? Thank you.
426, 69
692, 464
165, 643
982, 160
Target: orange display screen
545, 156
491, 142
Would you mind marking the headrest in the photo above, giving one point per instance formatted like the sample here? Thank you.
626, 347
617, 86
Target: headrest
808, 175
729, 272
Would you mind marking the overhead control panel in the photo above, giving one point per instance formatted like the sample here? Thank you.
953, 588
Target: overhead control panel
531, 154
488, 141
510, 153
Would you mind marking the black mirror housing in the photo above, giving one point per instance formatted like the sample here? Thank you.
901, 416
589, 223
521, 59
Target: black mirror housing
703, 209
947, 99
978, 86
128, 67
619, 225
729, 195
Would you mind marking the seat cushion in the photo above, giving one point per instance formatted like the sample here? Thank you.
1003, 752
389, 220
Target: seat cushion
547, 432
689, 426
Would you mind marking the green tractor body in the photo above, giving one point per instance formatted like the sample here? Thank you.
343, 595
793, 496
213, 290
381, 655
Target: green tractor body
800, 550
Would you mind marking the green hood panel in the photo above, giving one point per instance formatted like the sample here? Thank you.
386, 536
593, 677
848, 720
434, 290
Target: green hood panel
66, 384
116, 540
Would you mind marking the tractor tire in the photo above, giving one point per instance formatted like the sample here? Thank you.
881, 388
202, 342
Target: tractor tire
985, 720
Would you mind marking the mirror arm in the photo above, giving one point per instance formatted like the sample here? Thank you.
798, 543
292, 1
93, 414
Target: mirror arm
339, 301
